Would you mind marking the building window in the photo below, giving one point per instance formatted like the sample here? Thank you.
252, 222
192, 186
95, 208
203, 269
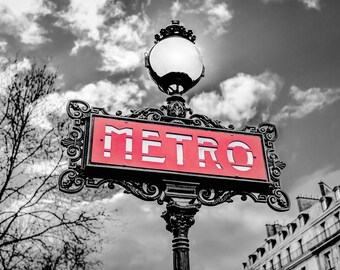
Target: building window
300, 247
303, 218
328, 261
279, 262
324, 205
303, 268
337, 193
271, 243
325, 202
292, 227
337, 219
289, 258
271, 264
260, 252
282, 235
252, 259
301, 223
323, 233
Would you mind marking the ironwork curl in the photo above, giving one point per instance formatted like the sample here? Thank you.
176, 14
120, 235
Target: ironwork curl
70, 181
269, 132
275, 165
205, 121
79, 109
278, 200
76, 109
144, 191
212, 197
147, 114
74, 142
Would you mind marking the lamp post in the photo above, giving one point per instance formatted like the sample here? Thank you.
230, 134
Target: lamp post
169, 154
176, 65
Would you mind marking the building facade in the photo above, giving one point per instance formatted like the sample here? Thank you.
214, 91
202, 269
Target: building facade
310, 242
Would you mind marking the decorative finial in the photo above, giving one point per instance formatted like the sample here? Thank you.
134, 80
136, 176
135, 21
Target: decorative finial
175, 29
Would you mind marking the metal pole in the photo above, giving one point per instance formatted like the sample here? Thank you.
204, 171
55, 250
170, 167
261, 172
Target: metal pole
179, 219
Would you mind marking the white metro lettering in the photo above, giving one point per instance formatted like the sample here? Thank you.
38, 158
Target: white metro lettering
147, 143
250, 156
203, 151
211, 149
108, 139
179, 146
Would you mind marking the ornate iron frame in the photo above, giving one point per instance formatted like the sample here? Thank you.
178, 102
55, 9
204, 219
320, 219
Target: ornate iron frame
175, 111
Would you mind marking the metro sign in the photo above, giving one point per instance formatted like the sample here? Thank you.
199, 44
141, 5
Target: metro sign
159, 156
151, 150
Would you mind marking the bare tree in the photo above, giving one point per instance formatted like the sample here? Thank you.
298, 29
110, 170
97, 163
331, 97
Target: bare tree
40, 228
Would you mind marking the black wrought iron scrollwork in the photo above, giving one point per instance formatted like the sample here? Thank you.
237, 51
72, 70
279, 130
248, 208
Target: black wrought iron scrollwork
212, 197
74, 143
73, 180
77, 109
269, 132
275, 166
175, 107
144, 191
278, 200
70, 181
205, 121
175, 29
147, 114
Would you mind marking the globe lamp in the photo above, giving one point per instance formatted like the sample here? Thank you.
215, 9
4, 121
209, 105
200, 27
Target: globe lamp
174, 62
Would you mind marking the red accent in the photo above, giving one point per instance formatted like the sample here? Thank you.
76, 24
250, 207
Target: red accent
168, 150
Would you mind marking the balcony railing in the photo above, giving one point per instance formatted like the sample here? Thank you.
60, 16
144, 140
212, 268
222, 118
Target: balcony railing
324, 236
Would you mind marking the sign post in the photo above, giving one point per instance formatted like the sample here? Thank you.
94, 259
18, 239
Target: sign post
171, 155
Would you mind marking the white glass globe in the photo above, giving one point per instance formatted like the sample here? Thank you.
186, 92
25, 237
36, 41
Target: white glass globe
176, 64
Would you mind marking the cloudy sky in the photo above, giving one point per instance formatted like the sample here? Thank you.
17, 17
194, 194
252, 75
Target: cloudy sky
266, 60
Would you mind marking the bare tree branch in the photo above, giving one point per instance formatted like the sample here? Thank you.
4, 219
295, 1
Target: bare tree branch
39, 227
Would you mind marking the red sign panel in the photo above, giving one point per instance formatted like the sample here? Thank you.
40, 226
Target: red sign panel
169, 148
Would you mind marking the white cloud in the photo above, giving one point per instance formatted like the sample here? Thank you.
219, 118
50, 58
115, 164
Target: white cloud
20, 18
101, 24
123, 96
84, 18
311, 4
218, 15
175, 8
9, 70
240, 98
3, 45
306, 102
122, 46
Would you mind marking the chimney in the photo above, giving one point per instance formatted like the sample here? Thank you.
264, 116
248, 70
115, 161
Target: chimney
305, 202
324, 188
278, 227
270, 230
